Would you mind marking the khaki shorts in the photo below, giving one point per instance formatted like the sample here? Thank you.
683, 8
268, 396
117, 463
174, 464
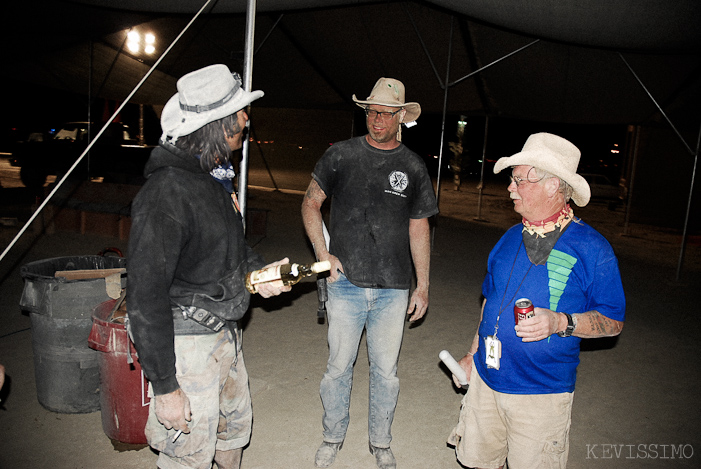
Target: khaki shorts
211, 372
530, 430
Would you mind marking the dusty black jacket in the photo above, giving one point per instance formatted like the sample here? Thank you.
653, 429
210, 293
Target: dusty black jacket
186, 247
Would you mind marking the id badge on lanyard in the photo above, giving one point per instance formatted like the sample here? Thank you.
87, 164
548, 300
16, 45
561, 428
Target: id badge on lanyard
493, 351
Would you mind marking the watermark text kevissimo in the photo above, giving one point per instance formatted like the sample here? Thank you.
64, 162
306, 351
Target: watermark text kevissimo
639, 451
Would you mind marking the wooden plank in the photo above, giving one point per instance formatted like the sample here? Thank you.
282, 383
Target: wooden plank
88, 273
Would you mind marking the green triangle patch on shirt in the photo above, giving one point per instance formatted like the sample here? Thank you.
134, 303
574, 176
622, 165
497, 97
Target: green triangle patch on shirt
559, 267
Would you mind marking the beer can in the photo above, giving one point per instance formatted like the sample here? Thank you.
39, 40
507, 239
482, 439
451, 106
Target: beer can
523, 309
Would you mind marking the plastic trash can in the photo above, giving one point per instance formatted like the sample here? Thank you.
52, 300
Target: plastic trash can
124, 402
60, 309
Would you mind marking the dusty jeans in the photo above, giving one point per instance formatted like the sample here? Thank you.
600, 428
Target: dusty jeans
382, 313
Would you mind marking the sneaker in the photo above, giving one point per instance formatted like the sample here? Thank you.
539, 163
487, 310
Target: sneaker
383, 457
326, 454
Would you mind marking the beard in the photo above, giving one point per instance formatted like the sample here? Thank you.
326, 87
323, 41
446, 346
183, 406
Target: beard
387, 134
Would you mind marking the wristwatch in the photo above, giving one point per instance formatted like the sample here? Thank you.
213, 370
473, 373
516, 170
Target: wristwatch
570, 326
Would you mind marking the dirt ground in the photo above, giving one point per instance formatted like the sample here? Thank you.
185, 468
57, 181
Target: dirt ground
636, 403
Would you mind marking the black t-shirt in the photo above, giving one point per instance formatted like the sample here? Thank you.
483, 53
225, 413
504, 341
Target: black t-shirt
373, 195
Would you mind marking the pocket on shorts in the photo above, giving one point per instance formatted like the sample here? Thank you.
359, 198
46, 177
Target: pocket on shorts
554, 454
456, 435
458, 432
186, 445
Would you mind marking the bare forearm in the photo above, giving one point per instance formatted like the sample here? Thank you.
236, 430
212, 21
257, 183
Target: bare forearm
314, 230
420, 243
593, 324
313, 221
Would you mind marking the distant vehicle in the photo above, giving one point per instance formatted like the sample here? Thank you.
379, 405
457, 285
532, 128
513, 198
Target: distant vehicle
602, 187
115, 155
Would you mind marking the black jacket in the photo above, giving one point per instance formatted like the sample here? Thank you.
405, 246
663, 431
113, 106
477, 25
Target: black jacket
186, 247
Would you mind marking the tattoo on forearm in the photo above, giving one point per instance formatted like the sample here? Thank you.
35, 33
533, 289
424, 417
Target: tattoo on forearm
598, 325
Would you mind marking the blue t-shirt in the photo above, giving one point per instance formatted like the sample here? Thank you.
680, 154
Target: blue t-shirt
581, 274
374, 193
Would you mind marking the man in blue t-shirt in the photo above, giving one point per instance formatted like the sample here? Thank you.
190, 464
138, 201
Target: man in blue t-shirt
522, 373
381, 198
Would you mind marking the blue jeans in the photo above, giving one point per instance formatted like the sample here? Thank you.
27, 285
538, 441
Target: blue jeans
382, 313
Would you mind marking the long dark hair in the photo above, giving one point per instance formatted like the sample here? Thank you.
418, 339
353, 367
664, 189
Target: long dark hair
209, 141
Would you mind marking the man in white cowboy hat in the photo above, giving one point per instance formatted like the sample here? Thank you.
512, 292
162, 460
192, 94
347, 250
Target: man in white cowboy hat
522, 373
382, 197
188, 259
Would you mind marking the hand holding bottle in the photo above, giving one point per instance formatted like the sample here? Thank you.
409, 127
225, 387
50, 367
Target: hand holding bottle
282, 275
272, 289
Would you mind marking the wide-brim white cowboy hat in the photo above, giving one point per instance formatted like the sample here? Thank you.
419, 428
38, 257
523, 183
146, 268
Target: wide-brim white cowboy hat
203, 96
555, 155
390, 92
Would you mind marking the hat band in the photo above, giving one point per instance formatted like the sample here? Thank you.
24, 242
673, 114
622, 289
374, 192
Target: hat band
209, 107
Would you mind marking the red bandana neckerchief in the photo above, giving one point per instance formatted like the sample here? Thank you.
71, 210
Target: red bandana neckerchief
539, 238
556, 222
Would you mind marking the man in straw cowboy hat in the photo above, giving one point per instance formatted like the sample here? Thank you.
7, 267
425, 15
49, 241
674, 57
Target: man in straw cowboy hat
522, 373
381, 197
188, 259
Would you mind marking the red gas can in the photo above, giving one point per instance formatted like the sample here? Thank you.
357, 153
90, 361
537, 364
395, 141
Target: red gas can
123, 388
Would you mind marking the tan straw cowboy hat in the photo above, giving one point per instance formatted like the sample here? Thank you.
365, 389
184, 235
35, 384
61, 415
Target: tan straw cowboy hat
555, 155
390, 92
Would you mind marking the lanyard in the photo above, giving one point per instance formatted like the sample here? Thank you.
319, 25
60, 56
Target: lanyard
501, 305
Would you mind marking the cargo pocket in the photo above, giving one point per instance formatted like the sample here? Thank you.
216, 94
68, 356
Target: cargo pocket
458, 433
555, 454
187, 444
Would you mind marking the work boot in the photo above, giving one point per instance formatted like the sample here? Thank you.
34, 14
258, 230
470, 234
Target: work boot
326, 454
383, 457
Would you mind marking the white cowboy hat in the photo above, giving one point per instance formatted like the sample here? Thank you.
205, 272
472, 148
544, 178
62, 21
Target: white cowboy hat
555, 155
390, 92
204, 96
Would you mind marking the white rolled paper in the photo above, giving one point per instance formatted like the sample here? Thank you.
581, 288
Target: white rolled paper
453, 366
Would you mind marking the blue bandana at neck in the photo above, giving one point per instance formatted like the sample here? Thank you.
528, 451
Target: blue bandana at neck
224, 175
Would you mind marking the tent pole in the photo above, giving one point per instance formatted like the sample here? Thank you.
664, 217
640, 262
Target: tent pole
494, 62
247, 82
99, 134
659, 108
446, 85
272, 28
686, 145
688, 207
421, 41
445, 109
90, 72
484, 157
631, 179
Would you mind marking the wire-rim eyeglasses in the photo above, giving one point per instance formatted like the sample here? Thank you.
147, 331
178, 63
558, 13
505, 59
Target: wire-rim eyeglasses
519, 180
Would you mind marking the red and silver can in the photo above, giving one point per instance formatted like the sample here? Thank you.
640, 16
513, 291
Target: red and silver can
523, 309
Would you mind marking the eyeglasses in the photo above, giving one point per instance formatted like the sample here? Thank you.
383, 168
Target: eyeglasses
371, 113
527, 179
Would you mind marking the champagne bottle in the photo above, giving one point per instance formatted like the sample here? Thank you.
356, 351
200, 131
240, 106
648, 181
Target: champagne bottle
286, 274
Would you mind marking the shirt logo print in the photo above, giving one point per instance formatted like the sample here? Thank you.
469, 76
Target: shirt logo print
560, 267
398, 180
